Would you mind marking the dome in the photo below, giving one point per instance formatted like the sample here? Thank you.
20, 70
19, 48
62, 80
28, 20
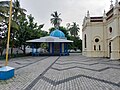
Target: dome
57, 33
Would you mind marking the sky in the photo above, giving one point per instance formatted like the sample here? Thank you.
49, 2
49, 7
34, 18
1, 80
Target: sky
71, 10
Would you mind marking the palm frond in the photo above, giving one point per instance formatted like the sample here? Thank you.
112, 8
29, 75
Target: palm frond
4, 3
56, 20
2, 17
52, 15
4, 9
14, 25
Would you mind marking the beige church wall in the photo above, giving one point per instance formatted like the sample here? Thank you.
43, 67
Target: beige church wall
110, 24
105, 41
115, 24
85, 50
119, 25
114, 37
109, 35
97, 54
115, 48
115, 28
83, 46
88, 39
93, 53
98, 32
92, 32
101, 30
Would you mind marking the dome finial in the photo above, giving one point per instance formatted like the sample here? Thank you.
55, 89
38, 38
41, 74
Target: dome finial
104, 14
111, 6
116, 3
111, 2
88, 14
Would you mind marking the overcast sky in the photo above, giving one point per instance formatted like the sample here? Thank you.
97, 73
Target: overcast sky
71, 10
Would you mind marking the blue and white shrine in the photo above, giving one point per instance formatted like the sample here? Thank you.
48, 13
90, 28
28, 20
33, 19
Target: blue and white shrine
57, 43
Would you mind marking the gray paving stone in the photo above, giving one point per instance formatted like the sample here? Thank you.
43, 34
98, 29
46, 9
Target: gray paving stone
74, 72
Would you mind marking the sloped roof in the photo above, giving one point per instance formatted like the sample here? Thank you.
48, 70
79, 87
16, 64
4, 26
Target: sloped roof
50, 39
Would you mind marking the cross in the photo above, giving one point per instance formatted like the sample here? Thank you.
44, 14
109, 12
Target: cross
111, 1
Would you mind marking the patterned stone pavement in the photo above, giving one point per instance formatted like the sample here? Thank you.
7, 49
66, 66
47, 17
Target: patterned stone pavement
74, 72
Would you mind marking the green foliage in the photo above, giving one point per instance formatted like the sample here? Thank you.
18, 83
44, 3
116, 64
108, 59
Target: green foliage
23, 27
2, 45
29, 30
74, 29
16, 12
43, 45
77, 44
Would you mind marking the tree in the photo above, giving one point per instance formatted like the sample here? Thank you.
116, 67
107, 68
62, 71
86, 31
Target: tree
28, 30
23, 27
77, 44
3, 33
56, 20
4, 9
74, 29
23, 33
17, 11
36, 30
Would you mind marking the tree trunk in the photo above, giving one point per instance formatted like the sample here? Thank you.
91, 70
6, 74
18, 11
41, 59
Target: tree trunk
12, 43
1, 52
24, 50
12, 47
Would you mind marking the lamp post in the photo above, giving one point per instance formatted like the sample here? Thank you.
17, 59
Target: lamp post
8, 38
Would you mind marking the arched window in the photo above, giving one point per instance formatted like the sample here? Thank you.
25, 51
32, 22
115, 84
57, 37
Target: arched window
110, 29
85, 42
94, 47
110, 47
99, 47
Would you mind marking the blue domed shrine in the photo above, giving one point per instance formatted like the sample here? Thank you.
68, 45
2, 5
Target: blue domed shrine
57, 43
57, 33
60, 48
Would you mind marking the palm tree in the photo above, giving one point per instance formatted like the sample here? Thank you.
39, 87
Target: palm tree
56, 20
74, 29
17, 11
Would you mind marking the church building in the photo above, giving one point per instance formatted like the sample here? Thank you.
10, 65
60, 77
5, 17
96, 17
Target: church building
101, 34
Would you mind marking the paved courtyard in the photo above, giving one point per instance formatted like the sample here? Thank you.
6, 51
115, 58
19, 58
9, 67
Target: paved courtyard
74, 72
